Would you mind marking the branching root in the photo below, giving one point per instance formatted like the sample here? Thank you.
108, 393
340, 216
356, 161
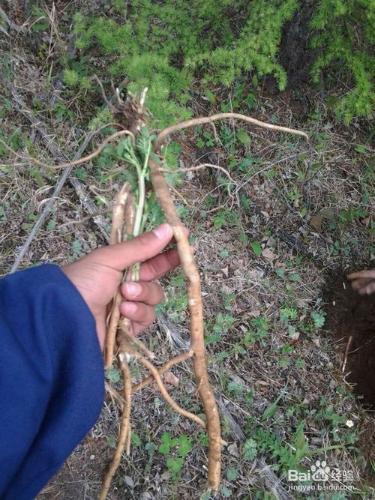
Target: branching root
121, 345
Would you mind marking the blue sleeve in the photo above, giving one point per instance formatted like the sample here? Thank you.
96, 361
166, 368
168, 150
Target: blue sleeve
51, 377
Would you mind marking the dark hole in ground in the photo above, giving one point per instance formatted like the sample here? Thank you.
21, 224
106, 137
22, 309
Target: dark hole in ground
351, 319
350, 315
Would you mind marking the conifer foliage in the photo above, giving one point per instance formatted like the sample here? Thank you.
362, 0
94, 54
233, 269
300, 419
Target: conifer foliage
175, 47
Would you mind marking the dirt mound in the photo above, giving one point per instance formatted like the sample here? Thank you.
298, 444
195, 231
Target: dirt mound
351, 319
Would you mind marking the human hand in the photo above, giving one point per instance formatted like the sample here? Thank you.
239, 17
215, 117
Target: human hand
98, 275
363, 281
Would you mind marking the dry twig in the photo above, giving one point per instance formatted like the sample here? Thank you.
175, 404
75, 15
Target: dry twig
348, 346
49, 205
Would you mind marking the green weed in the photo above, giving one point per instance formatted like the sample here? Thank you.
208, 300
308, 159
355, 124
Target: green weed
175, 451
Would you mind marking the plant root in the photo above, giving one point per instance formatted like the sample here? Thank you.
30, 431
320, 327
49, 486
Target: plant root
167, 397
130, 347
196, 324
167, 366
163, 135
124, 430
118, 220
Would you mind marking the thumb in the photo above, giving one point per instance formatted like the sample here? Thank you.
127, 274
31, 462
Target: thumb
140, 249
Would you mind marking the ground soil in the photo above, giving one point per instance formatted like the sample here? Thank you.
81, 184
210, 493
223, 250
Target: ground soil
351, 319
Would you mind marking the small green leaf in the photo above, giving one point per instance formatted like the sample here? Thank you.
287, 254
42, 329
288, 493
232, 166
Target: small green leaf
226, 492
256, 248
243, 137
318, 319
166, 443
280, 272
51, 225
183, 445
287, 313
203, 439
232, 473
360, 148
245, 164
174, 464
136, 440
300, 443
249, 449
111, 441
113, 375
294, 277
76, 247
271, 409
150, 448
224, 253
70, 77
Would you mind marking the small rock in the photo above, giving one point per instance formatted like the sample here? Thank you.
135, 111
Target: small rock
129, 481
233, 450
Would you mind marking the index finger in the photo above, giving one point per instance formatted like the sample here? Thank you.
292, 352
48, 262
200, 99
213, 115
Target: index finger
158, 266
362, 274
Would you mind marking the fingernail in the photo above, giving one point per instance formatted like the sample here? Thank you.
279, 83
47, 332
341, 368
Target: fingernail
133, 289
130, 308
163, 232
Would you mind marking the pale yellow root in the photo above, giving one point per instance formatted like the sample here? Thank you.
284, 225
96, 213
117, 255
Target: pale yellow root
196, 324
124, 430
118, 220
162, 369
222, 116
163, 391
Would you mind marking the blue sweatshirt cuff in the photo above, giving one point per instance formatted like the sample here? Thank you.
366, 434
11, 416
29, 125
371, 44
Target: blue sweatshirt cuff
51, 377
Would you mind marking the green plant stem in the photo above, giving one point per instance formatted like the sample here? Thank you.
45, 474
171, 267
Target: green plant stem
138, 226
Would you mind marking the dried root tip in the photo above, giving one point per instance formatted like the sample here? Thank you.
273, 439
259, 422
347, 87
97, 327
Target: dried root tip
124, 432
111, 331
118, 214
